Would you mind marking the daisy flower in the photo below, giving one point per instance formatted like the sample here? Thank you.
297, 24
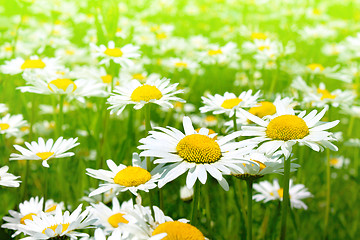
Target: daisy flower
44, 226
27, 210
339, 162
112, 218
158, 91
228, 103
122, 56
270, 192
260, 165
196, 152
10, 125
123, 178
286, 129
45, 151
8, 179
3, 108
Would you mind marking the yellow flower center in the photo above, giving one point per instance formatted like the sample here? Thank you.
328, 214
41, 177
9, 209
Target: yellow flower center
107, 78
178, 231
51, 208
8, 49
258, 35
4, 126
53, 227
210, 118
287, 127
161, 36
262, 48
198, 148
334, 161
325, 94
214, 52
261, 165
44, 155
181, 64
28, 216
146, 93
280, 192
265, 109
62, 83
69, 52
113, 52
132, 176
230, 103
315, 66
33, 63
117, 218
139, 76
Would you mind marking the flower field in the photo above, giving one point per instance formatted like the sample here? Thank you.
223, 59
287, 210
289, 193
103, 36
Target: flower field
179, 120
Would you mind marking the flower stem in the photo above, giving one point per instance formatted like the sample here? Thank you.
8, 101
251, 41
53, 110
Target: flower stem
285, 204
327, 207
195, 206
61, 116
249, 212
45, 185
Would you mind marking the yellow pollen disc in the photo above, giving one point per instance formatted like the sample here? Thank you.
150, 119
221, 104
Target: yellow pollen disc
62, 83
146, 93
316, 11
28, 216
24, 128
325, 94
44, 155
53, 227
262, 48
117, 218
181, 64
287, 127
214, 52
334, 161
178, 231
132, 176
210, 118
315, 66
4, 126
69, 52
265, 109
138, 76
33, 63
261, 165
198, 148
230, 103
113, 52
280, 192
107, 78
258, 35
8, 48
161, 36
51, 208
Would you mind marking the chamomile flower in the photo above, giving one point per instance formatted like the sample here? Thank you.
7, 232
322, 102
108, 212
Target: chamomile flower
196, 152
286, 129
45, 151
339, 162
10, 124
3, 108
260, 165
125, 178
27, 210
51, 205
34, 63
8, 179
122, 56
228, 103
272, 191
116, 217
45, 226
158, 91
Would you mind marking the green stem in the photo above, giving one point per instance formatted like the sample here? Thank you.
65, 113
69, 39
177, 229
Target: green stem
328, 182
45, 185
285, 204
195, 206
351, 125
61, 116
249, 212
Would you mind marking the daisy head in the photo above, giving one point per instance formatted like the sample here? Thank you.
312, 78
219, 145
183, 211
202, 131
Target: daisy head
272, 191
158, 91
125, 178
121, 55
286, 129
45, 151
198, 153
8, 179
10, 125
229, 103
46, 226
